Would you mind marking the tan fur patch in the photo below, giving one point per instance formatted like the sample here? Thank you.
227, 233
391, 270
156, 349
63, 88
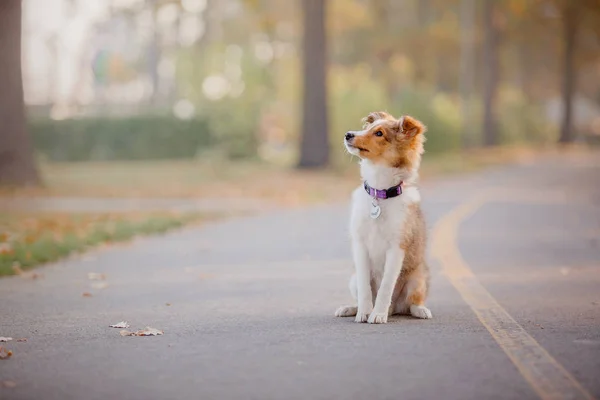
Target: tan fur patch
417, 297
415, 272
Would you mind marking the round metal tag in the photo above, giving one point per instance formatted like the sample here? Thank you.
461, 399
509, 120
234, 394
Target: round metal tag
375, 210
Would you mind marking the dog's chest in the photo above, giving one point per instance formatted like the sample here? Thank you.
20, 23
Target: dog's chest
378, 234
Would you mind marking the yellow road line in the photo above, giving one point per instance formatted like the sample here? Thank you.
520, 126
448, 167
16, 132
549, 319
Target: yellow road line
547, 377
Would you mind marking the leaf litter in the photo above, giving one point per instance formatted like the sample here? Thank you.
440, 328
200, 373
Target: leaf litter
122, 324
94, 276
99, 285
5, 353
23, 274
143, 332
8, 384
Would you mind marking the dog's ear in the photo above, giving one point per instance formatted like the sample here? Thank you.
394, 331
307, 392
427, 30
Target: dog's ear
374, 116
410, 126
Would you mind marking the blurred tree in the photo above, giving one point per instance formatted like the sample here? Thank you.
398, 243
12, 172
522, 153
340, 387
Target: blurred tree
467, 64
571, 15
314, 149
562, 35
154, 51
17, 164
490, 72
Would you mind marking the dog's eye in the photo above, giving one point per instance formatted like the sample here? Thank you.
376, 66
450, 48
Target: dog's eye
379, 133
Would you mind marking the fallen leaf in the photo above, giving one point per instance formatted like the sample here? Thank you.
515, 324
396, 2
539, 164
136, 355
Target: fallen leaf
5, 339
168, 304
4, 353
8, 384
149, 332
94, 276
26, 275
86, 294
22, 340
99, 285
122, 324
143, 332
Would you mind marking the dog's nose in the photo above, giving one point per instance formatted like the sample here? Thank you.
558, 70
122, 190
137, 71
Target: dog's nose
349, 135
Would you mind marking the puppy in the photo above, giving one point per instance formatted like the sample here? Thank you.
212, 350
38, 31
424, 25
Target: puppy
387, 227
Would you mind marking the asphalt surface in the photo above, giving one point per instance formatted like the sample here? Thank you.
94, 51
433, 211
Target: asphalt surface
247, 305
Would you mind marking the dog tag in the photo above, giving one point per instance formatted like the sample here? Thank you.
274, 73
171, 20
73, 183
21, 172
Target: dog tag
375, 210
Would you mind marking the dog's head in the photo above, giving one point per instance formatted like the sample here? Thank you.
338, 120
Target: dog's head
388, 141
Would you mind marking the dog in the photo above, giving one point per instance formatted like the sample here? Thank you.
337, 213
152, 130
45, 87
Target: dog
387, 226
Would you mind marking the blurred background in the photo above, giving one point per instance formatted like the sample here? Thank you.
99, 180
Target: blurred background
175, 79
238, 98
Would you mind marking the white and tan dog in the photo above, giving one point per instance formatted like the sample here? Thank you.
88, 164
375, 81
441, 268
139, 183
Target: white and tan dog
387, 227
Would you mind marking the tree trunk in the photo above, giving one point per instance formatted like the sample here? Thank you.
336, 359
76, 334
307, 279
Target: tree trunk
422, 53
154, 53
467, 62
570, 23
17, 165
490, 73
314, 149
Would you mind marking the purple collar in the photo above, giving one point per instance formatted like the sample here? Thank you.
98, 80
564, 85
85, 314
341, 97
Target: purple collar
384, 193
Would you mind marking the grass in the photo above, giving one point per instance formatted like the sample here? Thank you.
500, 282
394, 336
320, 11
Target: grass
27, 240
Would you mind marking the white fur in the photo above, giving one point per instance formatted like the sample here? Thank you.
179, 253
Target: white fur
420, 311
376, 242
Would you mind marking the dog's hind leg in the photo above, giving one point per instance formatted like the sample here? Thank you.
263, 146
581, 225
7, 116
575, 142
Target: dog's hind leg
416, 293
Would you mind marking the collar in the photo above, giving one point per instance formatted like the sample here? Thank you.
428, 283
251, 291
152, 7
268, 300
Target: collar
384, 193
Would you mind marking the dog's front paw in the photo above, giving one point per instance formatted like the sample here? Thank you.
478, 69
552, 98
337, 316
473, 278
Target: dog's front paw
361, 317
420, 312
378, 318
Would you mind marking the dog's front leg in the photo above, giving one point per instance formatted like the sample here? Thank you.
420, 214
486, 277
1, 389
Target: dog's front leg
393, 266
363, 281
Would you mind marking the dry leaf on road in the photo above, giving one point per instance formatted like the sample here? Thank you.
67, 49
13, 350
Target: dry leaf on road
99, 285
5, 353
144, 332
26, 275
86, 294
94, 276
22, 340
8, 384
150, 332
122, 324
5, 339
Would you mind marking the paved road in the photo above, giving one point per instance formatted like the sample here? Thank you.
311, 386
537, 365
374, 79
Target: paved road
251, 304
